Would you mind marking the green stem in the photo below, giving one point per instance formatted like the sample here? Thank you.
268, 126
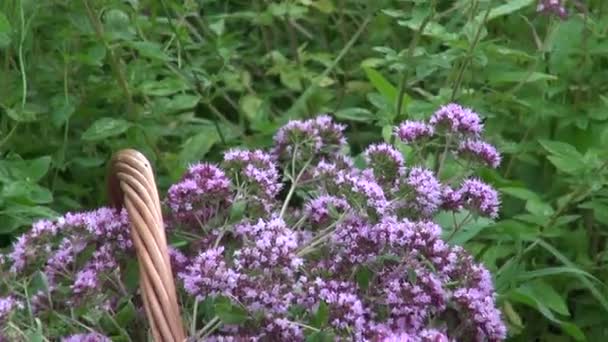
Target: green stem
293, 188
21, 60
469, 55
410, 54
115, 62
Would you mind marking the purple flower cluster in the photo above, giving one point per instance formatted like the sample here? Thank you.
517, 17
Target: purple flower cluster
57, 249
7, 305
304, 139
257, 173
208, 275
419, 194
411, 131
479, 197
357, 247
556, 7
361, 190
457, 119
203, 192
386, 163
480, 150
270, 247
319, 209
90, 337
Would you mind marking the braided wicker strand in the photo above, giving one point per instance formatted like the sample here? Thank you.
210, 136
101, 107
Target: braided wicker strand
131, 184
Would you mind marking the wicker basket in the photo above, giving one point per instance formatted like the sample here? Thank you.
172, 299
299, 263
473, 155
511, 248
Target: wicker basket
131, 185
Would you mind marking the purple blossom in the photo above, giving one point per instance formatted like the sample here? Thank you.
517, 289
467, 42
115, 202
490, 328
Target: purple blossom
258, 172
208, 275
457, 119
203, 192
428, 335
450, 199
555, 7
7, 305
361, 191
318, 137
104, 226
88, 278
62, 258
481, 308
179, 261
385, 161
272, 246
420, 192
410, 131
88, 337
347, 312
413, 293
480, 150
479, 197
24, 249
319, 209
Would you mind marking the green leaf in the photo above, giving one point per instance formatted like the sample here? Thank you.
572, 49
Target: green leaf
229, 313
5, 31
520, 193
466, 232
507, 8
381, 84
355, 114
150, 50
321, 336
321, 316
567, 165
573, 330
588, 284
30, 170
561, 149
196, 147
237, 210
251, 105
126, 314
105, 128
165, 87
27, 114
28, 193
130, 276
552, 271
363, 276
540, 208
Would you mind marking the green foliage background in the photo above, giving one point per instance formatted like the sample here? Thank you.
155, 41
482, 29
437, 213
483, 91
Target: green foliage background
184, 80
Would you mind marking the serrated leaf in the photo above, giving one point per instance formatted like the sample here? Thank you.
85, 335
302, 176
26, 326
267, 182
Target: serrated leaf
105, 128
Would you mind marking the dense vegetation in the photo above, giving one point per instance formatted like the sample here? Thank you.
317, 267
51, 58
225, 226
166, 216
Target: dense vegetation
185, 81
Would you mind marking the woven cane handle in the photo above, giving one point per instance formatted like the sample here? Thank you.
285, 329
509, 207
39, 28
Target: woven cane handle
131, 184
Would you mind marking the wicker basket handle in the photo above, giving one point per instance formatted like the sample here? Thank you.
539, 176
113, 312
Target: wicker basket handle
131, 184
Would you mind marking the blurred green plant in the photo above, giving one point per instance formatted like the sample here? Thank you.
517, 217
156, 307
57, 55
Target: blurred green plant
183, 80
